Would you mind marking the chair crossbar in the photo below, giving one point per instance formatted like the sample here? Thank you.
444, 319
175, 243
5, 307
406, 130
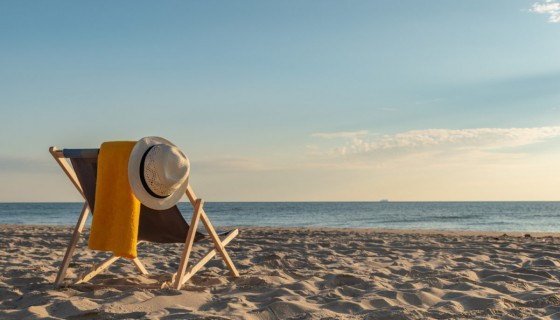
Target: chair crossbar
80, 153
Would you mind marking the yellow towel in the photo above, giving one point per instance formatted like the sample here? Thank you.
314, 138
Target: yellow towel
116, 210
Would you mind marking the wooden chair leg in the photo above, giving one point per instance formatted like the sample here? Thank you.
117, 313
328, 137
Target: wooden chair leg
220, 247
140, 266
71, 246
106, 264
98, 269
192, 270
58, 157
188, 244
208, 225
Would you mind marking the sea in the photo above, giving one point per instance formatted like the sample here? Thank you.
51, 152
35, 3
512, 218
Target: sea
470, 216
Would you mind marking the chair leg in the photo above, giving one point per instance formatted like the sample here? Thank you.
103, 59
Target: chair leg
105, 265
194, 269
71, 246
140, 266
218, 244
188, 244
97, 270
208, 225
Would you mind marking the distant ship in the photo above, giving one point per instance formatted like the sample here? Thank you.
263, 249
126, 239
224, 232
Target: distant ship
384, 200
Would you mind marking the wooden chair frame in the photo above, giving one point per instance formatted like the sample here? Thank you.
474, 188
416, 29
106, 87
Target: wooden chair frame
184, 272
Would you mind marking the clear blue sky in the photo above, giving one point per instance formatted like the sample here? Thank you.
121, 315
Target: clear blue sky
291, 100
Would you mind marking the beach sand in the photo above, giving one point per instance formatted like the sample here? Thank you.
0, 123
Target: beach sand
299, 273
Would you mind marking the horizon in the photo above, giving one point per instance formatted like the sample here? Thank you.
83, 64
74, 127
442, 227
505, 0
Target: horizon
316, 101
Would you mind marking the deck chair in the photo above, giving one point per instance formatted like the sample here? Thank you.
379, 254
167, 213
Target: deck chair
166, 226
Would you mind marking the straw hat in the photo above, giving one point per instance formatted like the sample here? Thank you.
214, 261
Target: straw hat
158, 172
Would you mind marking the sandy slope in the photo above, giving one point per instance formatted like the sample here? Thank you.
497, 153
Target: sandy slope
298, 273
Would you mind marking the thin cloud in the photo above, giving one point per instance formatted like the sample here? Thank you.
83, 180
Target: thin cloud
549, 7
481, 139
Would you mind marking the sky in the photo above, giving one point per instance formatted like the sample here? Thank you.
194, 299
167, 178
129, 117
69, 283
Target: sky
314, 100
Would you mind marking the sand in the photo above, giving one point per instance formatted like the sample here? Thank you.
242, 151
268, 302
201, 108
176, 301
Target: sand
297, 273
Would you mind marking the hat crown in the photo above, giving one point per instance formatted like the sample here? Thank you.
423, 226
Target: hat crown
165, 169
158, 172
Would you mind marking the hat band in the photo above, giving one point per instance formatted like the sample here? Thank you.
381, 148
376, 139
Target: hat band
143, 180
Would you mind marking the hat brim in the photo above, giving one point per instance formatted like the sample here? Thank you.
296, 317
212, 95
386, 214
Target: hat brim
136, 184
